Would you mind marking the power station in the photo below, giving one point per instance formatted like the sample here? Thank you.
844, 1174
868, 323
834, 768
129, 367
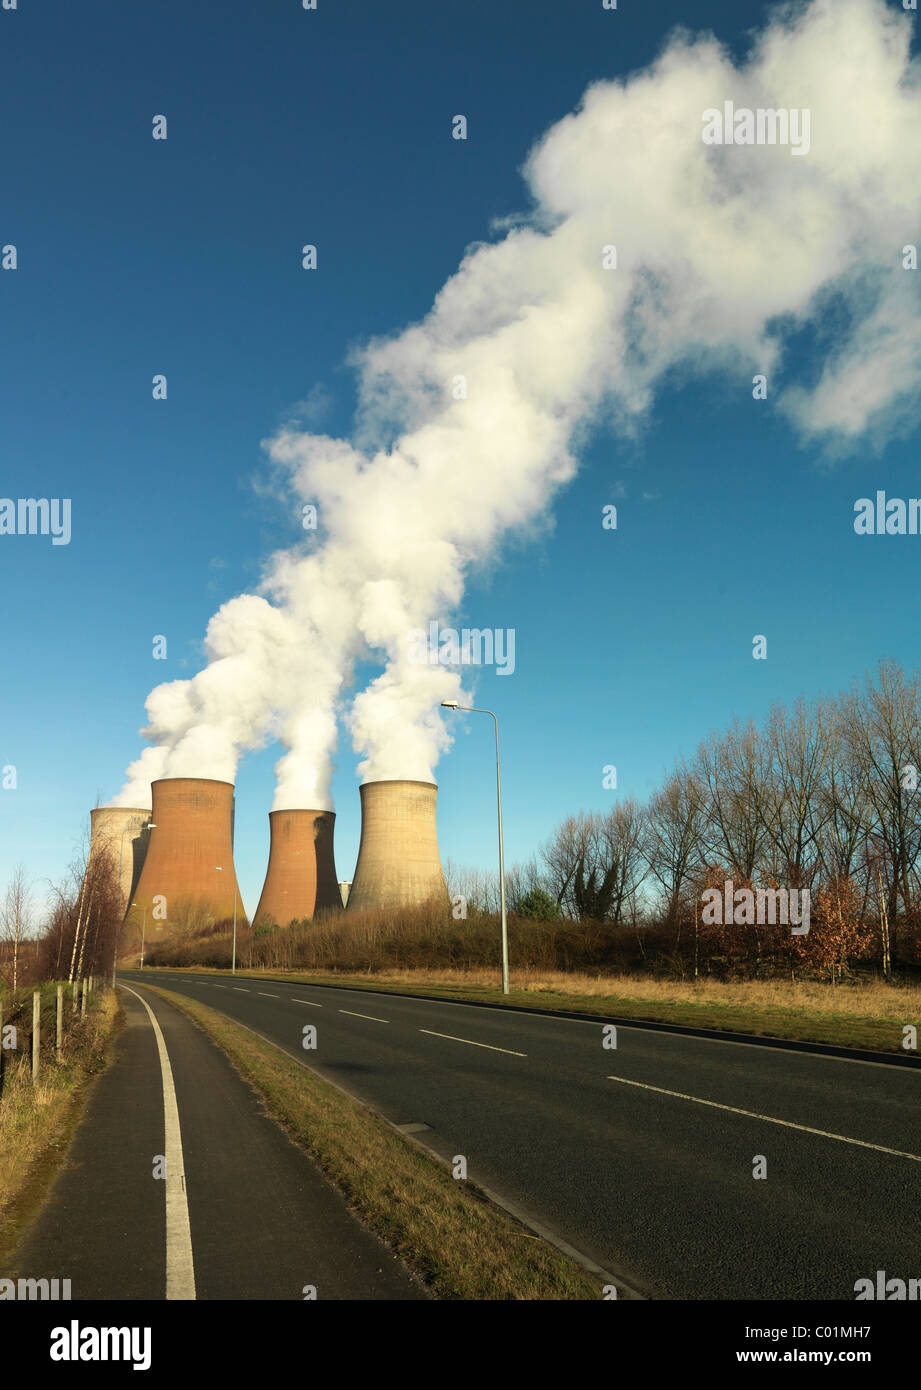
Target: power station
398, 861
188, 871
175, 867
120, 833
301, 877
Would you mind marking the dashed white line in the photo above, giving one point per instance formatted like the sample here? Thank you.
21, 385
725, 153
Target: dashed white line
241, 990
267, 996
769, 1119
307, 1001
471, 1043
370, 1016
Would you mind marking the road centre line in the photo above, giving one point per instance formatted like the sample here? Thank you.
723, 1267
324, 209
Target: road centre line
263, 994
770, 1119
471, 1043
369, 1016
307, 1001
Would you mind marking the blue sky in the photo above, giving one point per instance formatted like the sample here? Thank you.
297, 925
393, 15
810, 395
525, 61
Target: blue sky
138, 257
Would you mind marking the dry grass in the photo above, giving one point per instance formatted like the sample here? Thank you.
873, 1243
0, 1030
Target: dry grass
36, 1122
456, 1241
864, 998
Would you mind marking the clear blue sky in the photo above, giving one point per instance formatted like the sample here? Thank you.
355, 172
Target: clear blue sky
138, 257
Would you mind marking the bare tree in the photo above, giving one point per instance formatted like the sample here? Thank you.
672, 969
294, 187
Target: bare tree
16, 916
622, 852
731, 770
797, 748
673, 837
564, 856
879, 728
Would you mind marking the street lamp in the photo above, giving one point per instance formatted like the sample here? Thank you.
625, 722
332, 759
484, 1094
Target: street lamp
468, 709
233, 964
143, 930
148, 825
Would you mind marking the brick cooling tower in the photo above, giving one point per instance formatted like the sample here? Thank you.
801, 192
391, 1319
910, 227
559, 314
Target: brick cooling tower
301, 876
120, 832
398, 863
189, 862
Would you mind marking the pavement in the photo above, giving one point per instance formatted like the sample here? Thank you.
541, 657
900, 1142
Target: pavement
241, 1212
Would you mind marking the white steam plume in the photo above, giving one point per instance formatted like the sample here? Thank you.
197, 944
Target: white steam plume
722, 252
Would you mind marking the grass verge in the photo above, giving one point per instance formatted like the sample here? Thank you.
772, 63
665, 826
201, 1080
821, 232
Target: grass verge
37, 1122
862, 1015
450, 1235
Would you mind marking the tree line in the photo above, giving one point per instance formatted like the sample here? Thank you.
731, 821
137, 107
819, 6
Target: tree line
823, 795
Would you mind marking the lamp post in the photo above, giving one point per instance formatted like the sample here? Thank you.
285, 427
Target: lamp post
148, 827
469, 709
233, 963
121, 855
143, 930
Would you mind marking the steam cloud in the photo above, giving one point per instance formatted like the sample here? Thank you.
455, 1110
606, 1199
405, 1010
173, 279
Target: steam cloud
723, 252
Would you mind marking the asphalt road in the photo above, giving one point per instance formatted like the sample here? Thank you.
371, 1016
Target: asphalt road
241, 1213
638, 1155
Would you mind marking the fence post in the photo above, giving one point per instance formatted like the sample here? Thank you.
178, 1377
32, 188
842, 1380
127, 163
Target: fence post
36, 1032
57, 1041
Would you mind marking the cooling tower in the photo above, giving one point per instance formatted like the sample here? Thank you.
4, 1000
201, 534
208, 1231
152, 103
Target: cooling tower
302, 872
398, 863
188, 868
121, 832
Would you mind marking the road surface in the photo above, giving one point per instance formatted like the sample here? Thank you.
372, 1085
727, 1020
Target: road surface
637, 1156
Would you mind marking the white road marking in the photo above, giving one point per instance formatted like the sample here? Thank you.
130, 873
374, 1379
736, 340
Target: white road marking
267, 996
370, 1016
471, 1043
180, 1267
770, 1119
241, 990
220, 986
307, 1001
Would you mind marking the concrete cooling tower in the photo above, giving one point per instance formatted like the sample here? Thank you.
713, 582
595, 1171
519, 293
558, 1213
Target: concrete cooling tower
189, 862
301, 876
121, 833
398, 863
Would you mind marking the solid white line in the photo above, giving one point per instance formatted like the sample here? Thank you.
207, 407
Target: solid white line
770, 1119
267, 996
307, 1001
470, 1043
370, 1016
180, 1267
